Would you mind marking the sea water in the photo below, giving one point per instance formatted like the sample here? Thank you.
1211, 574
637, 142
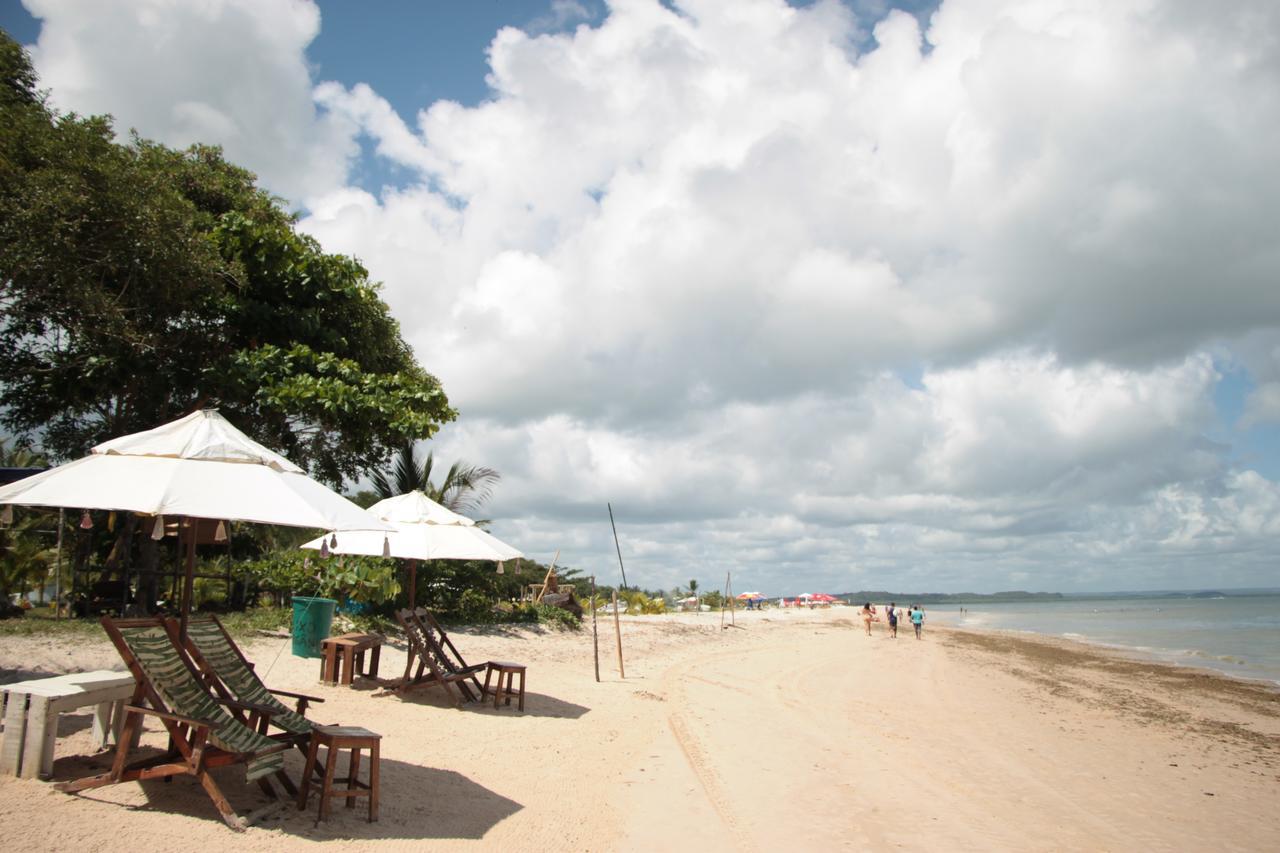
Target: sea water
1237, 635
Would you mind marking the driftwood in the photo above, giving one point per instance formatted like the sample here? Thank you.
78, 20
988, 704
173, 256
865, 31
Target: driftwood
563, 600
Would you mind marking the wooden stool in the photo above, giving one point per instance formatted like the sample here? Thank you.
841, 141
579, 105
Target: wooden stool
336, 739
506, 672
343, 657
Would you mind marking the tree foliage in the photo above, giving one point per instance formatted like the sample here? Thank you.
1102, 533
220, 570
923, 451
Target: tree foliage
140, 283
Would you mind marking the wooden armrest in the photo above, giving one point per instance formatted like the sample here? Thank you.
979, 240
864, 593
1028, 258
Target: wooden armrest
295, 695
177, 718
246, 706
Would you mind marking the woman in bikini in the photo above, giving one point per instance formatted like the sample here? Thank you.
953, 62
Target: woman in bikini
867, 616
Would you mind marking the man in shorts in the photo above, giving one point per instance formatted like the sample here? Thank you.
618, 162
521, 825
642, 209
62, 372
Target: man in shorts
893, 620
917, 619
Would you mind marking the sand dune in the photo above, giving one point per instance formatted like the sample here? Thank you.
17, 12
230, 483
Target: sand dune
792, 730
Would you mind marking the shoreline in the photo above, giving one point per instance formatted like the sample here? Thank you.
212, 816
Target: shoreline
1137, 654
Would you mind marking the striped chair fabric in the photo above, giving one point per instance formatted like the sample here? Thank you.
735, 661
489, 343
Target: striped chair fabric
184, 695
242, 681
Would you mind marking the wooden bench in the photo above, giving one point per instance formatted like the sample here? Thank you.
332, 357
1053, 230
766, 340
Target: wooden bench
31, 710
506, 671
343, 656
335, 739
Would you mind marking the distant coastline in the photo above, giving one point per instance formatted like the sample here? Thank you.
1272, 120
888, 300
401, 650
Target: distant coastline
1022, 596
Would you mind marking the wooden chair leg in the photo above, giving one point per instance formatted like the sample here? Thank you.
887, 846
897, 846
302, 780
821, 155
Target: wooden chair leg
330, 764
307, 772
229, 816
374, 764
353, 773
348, 664
128, 737
286, 783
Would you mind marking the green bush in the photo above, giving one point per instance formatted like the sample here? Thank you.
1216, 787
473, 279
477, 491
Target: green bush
475, 608
555, 617
367, 580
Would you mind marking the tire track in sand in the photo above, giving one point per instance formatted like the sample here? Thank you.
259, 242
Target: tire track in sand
696, 757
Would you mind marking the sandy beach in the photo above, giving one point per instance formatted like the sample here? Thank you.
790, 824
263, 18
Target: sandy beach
792, 729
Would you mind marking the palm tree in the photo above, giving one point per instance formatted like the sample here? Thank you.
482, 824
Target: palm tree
464, 488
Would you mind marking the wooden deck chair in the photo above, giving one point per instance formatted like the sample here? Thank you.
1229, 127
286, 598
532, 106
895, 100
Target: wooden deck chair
229, 673
203, 734
434, 663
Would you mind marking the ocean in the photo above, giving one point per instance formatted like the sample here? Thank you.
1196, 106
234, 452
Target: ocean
1236, 635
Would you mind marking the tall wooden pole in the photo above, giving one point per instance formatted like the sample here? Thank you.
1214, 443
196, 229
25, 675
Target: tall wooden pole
617, 627
595, 634
413, 584
617, 546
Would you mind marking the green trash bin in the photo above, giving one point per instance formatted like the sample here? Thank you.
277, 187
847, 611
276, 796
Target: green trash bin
312, 619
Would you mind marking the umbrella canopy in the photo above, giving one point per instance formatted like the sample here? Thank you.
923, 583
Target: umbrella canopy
751, 596
199, 466
422, 542
422, 530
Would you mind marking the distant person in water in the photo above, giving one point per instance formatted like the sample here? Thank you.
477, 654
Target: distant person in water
867, 615
917, 619
893, 619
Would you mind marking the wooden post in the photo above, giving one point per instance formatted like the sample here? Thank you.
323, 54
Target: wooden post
595, 635
616, 545
189, 581
728, 594
537, 599
617, 627
413, 584
733, 605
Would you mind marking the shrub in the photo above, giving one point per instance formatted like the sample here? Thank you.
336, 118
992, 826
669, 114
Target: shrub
368, 580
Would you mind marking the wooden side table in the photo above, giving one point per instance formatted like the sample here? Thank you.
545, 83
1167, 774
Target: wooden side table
506, 672
343, 657
335, 739
31, 710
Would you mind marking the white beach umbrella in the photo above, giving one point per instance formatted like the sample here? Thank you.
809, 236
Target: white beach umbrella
199, 466
423, 530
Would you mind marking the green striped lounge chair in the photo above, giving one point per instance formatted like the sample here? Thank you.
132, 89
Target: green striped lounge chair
229, 673
203, 732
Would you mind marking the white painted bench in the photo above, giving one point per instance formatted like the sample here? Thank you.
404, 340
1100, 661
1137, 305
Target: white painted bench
31, 710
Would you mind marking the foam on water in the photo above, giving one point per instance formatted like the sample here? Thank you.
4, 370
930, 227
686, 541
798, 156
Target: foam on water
1236, 635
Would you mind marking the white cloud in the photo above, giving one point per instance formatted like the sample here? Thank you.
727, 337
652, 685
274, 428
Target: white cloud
229, 72
935, 314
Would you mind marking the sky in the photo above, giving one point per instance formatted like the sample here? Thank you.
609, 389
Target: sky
945, 296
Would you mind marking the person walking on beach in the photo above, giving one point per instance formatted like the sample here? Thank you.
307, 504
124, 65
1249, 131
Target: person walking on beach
866, 617
917, 619
893, 620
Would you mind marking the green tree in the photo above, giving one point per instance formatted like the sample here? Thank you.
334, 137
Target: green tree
140, 283
25, 553
464, 487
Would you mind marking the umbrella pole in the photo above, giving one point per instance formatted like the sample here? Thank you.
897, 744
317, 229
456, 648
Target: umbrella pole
189, 582
413, 584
